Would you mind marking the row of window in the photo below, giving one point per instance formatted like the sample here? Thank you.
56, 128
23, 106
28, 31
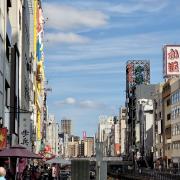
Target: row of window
174, 145
175, 97
175, 112
176, 129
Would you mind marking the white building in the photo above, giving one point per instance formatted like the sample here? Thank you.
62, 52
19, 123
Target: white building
122, 122
104, 127
52, 135
144, 128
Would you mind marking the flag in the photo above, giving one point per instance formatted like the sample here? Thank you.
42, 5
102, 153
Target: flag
3, 138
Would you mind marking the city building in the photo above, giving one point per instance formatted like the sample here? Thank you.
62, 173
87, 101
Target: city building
89, 146
122, 130
171, 116
81, 148
66, 126
52, 135
145, 131
73, 146
5, 67
175, 121
104, 127
171, 102
137, 73
158, 137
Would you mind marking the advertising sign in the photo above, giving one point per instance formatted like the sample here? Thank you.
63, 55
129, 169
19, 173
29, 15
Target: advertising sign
25, 131
172, 60
3, 138
137, 72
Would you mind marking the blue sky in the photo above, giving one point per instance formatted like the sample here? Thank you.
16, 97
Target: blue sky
87, 44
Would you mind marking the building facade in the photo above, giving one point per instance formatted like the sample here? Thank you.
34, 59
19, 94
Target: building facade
66, 126
137, 73
122, 129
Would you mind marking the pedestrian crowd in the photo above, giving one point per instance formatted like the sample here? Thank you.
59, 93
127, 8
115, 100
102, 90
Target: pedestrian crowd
31, 172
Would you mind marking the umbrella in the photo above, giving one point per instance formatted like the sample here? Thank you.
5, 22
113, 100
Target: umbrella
58, 160
19, 152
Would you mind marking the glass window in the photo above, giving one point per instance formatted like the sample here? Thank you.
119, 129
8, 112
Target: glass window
169, 116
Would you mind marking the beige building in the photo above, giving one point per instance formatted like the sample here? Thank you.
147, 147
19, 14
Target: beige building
171, 114
73, 146
73, 149
66, 126
158, 150
175, 121
89, 146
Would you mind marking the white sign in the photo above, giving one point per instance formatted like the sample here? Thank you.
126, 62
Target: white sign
172, 59
25, 131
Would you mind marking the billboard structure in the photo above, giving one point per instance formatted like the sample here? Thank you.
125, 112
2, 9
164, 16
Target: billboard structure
171, 60
137, 72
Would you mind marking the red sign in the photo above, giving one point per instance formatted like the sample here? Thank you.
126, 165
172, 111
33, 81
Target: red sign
3, 138
130, 73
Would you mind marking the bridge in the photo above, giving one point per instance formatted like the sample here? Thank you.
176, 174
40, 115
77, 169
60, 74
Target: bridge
110, 160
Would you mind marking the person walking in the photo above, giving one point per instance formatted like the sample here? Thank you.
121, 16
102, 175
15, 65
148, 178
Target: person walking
2, 173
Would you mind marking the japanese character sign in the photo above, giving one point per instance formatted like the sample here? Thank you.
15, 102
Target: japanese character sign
24, 134
172, 60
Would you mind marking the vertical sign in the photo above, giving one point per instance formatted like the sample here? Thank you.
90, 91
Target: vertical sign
172, 60
24, 131
3, 138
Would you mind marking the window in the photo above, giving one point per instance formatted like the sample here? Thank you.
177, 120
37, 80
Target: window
159, 114
7, 94
7, 48
169, 116
168, 102
19, 20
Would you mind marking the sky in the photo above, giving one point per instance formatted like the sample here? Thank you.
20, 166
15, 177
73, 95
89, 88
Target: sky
87, 44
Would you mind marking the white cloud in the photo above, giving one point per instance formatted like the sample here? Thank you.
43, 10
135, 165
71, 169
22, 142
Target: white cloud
140, 5
67, 38
89, 104
144, 44
63, 17
86, 67
68, 101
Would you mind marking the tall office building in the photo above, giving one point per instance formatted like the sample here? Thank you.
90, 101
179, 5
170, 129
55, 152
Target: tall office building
66, 126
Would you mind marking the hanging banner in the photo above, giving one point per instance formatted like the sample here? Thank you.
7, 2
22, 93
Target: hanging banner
3, 138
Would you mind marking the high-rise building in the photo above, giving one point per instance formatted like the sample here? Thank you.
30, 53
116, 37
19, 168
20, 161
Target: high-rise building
52, 135
89, 146
66, 126
137, 73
